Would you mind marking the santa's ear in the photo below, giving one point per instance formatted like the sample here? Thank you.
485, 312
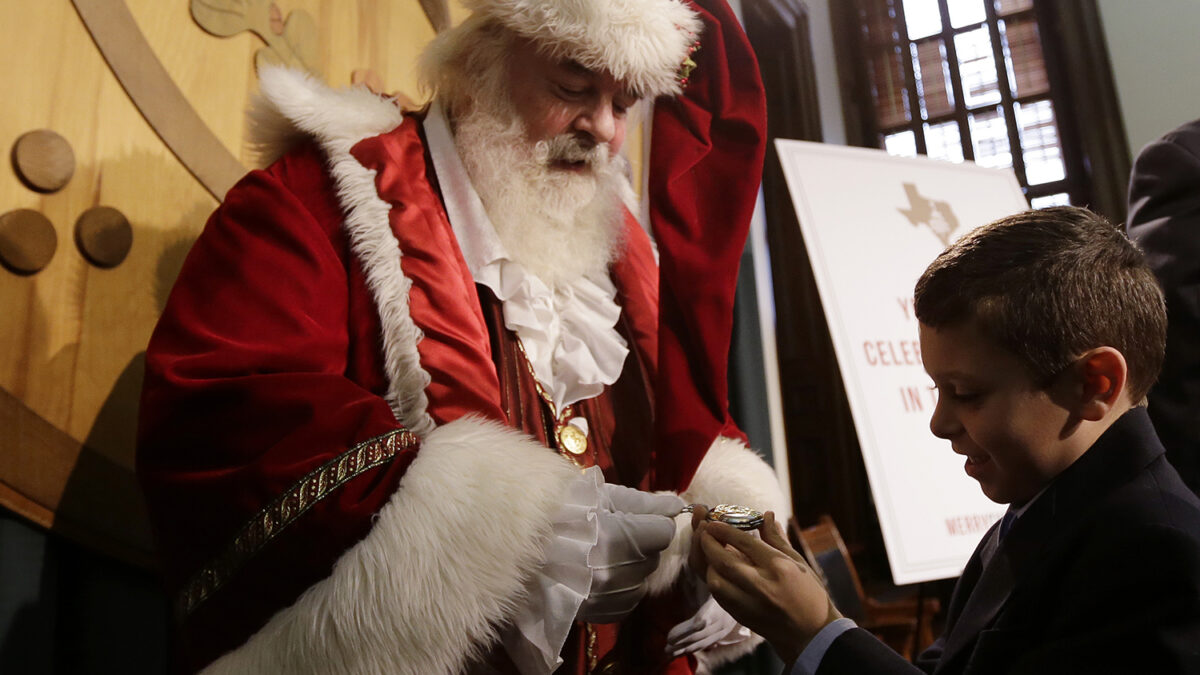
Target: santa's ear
1103, 374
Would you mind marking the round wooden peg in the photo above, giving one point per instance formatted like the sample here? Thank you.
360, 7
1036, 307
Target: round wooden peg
43, 160
27, 241
104, 236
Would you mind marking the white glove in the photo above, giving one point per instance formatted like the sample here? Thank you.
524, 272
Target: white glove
710, 625
633, 528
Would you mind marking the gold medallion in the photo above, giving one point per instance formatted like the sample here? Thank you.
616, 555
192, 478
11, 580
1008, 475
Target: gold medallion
572, 439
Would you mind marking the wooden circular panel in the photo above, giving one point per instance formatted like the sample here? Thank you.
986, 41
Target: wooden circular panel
27, 241
103, 236
152, 108
44, 160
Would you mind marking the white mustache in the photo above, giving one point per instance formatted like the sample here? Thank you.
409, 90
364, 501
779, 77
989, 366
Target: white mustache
569, 148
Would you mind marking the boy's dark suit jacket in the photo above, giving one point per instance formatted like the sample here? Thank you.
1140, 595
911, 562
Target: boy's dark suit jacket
1100, 575
1164, 218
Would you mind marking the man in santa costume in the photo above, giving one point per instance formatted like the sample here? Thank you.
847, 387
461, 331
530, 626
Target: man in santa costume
427, 399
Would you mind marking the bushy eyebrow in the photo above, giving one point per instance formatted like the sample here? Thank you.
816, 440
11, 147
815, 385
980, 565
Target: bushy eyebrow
578, 68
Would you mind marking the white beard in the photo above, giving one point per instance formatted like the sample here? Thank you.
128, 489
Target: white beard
560, 225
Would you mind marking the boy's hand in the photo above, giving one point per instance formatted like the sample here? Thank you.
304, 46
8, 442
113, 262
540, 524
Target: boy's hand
764, 584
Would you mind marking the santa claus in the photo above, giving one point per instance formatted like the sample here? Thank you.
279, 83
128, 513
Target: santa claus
427, 398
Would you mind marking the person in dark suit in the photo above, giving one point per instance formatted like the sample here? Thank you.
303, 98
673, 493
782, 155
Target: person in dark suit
1164, 218
1042, 332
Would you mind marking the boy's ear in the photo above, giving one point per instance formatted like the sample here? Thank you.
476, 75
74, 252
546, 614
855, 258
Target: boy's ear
1103, 374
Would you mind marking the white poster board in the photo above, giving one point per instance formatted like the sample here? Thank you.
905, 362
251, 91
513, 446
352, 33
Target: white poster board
872, 223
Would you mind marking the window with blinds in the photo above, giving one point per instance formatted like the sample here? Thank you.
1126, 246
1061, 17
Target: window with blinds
964, 80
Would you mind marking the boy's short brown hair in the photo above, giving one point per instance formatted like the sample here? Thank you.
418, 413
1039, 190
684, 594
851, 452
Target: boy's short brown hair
1049, 285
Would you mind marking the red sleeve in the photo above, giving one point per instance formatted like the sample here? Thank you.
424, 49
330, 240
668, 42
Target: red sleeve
247, 394
706, 159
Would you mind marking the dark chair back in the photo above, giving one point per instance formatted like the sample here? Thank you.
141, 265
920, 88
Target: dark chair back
832, 566
822, 545
903, 623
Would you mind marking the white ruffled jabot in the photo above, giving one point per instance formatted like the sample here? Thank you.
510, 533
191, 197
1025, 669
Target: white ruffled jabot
569, 333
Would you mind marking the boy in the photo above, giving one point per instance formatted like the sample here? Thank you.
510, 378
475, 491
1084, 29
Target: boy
1043, 332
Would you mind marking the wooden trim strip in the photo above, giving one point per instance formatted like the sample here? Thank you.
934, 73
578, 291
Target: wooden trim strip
157, 97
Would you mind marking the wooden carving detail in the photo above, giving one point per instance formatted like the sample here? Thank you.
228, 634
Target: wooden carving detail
291, 41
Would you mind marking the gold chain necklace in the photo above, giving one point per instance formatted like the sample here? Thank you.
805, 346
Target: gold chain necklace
570, 441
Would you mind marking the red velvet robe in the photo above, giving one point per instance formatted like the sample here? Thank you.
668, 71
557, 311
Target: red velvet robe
266, 365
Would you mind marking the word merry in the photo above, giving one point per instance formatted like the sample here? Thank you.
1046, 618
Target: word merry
970, 524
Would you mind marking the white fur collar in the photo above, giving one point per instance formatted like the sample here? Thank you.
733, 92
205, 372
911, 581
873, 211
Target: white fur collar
297, 104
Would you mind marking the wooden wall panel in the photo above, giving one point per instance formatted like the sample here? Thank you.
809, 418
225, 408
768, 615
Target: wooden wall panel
72, 336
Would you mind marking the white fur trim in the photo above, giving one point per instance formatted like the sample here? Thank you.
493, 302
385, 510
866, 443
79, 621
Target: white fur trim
338, 119
641, 42
730, 473
445, 562
269, 134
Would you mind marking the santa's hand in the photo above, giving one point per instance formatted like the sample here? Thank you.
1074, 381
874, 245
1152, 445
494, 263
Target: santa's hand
633, 528
710, 625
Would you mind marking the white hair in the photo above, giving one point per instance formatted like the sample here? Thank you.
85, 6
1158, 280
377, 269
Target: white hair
459, 61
